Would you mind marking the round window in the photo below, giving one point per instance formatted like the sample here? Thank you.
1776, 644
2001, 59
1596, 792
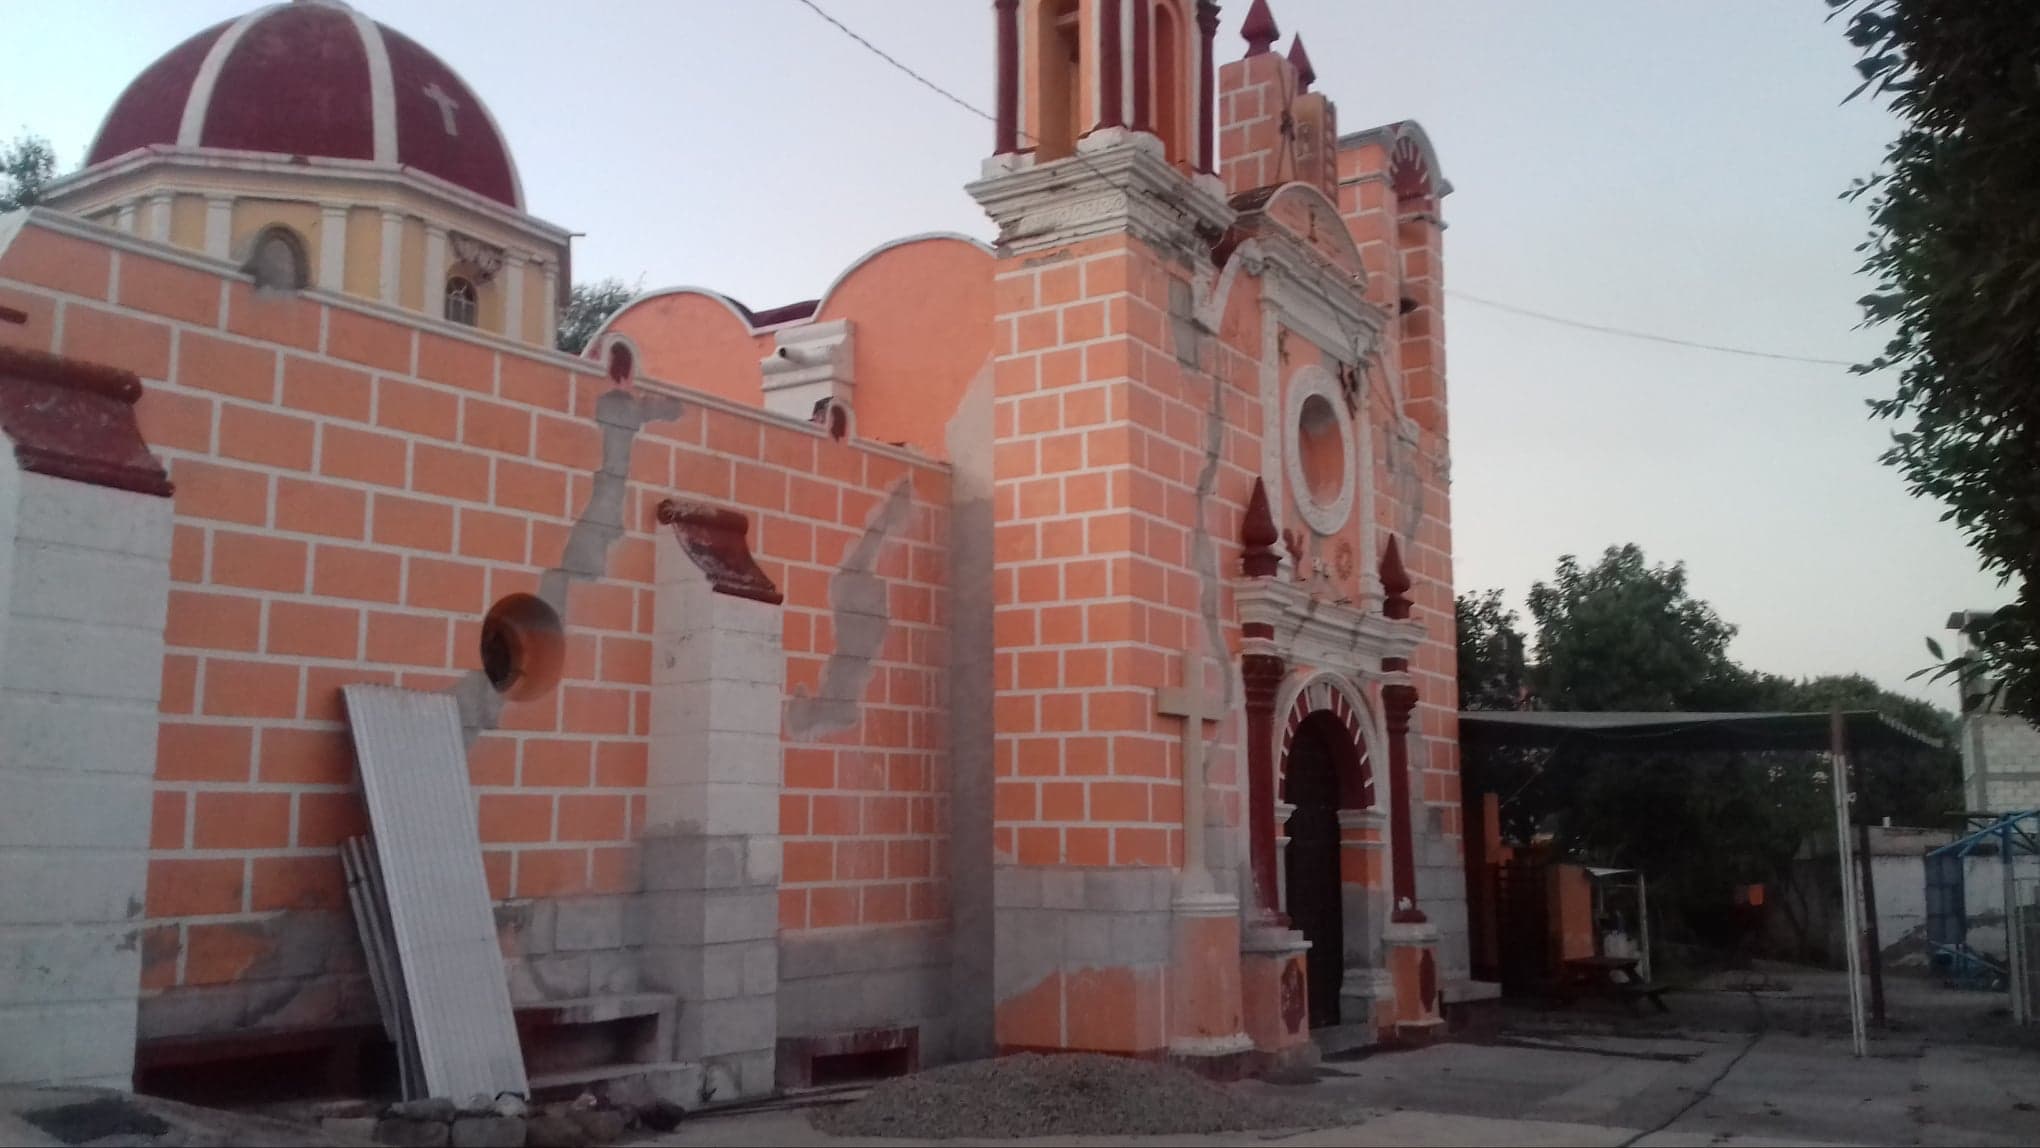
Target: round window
523, 647
1319, 444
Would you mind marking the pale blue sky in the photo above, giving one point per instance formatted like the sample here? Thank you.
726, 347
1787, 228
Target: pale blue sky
1669, 167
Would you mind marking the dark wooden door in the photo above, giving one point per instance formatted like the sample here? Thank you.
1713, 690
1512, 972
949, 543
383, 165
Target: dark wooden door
1316, 907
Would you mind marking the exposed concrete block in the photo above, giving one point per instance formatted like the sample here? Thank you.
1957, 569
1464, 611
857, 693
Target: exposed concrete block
740, 917
761, 968
1030, 946
1143, 938
1016, 888
93, 517
46, 732
70, 811
65, 583
531, 922
721, 1027
1062, 889
86, 661
717, 809
60, 965
586, 923
1087, 940
71, 886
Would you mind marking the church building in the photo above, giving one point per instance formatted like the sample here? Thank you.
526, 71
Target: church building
1038, 645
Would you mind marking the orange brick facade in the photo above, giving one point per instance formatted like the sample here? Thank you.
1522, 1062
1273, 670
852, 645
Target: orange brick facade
1153, 490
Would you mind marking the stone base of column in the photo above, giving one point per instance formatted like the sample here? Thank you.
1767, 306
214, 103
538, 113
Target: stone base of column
1413, 1017
1205, 980
1274, 993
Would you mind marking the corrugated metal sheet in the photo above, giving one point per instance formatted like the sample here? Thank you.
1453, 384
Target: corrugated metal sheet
414, 775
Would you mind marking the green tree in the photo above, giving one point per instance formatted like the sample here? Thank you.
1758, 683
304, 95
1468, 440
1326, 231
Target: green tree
1625, 635
589, 306
1491, 670
27, 165
1955, 257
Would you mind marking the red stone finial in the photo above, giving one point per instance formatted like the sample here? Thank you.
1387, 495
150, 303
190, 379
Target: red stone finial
1258, 536
1395, 581
1300, 60
1260, 31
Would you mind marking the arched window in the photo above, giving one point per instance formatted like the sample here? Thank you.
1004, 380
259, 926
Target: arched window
1060, 79
278, 261
462, 304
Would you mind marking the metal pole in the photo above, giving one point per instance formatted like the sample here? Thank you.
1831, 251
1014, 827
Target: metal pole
1874, 947
1838, 772
2015, 973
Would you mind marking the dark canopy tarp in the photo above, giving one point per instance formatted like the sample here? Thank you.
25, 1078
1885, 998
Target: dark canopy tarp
1682, 732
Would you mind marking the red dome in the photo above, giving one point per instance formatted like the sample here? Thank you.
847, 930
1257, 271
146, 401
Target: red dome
314, 78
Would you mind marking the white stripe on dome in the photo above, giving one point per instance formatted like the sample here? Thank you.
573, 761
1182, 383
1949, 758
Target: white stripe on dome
191, 128
382, 88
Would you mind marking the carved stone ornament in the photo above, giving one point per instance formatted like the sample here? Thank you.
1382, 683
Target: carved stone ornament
75, 420
485, 259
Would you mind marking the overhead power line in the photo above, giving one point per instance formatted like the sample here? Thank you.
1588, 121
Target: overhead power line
1646, 336
1525, 312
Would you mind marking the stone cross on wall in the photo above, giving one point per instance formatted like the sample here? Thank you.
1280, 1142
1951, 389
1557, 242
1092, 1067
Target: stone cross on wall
447, 105
1195, 706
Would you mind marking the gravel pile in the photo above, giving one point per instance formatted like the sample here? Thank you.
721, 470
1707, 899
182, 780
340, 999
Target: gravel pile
1077, 1095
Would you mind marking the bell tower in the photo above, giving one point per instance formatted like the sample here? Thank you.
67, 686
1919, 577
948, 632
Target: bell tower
1071, 69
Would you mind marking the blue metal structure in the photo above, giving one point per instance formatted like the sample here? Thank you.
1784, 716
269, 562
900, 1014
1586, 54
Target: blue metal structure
2008, 837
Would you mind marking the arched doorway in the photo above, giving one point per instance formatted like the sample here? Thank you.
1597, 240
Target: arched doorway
1314, 897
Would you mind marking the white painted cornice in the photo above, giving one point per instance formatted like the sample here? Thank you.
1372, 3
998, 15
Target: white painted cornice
1339, 635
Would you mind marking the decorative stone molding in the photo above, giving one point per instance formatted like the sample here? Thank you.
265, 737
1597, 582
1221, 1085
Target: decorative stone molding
714, 538
1325, 515
812, 363
76, 420
1353, 638
1326, 694
1120, 182
485, 259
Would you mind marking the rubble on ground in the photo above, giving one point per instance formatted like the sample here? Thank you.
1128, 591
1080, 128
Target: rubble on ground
1028, 1095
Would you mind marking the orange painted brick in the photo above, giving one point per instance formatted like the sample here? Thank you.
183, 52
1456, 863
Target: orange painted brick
492, 762
574, 445
311, 507
305, 756
450, 472
175, 419
496, 426
552, 872
59, 262
291, 319
167, 289
166, 820
363, 575
626, 660
515, 818
411, 522
834, 816
38, 330
224, 493
1140, 847
590, 709
223, 954
621, 764
314, 631
486, 534
806, 862
885, 904
266, 438
614, 870
1087, 846
259, 562
408, 639
417, 409
832, 908
297, 883
1062, 801
555, 763
192, 752
242, 370
793, 814
180, 684
162, 945
760, 487
361, 455
189, 888
1119, 801
457, 362
1039, 846
326, 819
592, 817
601, 606
365, 339
138, 345
1014, 801
198, 620
496, 868
437, 585
522, 486
240, 820
534, 384
325, 389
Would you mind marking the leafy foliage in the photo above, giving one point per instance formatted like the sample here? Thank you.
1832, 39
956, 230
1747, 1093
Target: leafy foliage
1954, 251
1624, 634
27, 165
589, 306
